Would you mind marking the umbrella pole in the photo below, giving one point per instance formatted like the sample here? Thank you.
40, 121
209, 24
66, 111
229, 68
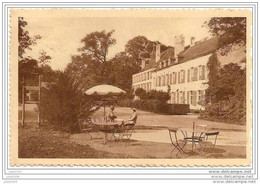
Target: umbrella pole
105, 113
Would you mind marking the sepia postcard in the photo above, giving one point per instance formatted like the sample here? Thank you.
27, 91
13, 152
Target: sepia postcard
130, 87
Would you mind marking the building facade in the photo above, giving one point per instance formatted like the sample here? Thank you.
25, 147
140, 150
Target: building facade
181, 71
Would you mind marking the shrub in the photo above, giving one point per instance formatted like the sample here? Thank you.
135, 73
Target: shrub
155, 106
152, 95
125, 103
141, 93
226, 95
63, 103
158, 95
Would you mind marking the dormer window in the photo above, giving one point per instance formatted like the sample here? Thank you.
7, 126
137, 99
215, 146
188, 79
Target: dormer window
165, 63
169, 61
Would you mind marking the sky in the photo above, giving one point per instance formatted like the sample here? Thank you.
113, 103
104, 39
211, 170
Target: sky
61, 36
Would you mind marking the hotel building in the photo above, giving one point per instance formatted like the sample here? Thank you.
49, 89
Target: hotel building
181, 71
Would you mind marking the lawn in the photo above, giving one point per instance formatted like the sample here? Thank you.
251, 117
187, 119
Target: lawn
150, 139
36, 142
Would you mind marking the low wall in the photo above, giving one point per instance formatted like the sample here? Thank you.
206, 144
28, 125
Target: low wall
178, 108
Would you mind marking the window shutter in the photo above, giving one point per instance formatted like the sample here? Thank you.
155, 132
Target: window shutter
195, 98
183, 94
188, 97
183, 76
203, 72
177, 97
200, 72
188, 75
195, 74
192, 74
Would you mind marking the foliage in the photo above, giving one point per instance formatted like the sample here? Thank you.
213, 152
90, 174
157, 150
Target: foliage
63, 103
122, 69
47, 73
153, 101
226, 99
25, 41
158, 95
86, 71
93, 68
118, 71
231, 31
213, 66
45, 143
141, 93
155, 106
140, 47
27, 65
44, 58
96, 44
152, 95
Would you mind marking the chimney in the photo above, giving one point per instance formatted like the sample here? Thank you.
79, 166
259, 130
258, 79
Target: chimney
179, 42
192, 41
157, 53
143, 63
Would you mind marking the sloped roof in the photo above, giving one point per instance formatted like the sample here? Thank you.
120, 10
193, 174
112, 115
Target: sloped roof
169, 53
200, 49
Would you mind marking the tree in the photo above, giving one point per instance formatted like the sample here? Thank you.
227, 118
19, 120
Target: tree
123, 67
141, 93
228, 95
213, 66
44, 58
24, 40
85, 70
140, 47
47, 73
231, 31
96, 44
67, 101
27, 65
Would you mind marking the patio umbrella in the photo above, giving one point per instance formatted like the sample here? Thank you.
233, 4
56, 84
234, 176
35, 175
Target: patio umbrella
104, 90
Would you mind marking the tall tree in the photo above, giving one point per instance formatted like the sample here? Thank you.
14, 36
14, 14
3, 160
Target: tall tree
123, 67
231, 31
28, 65
140, 47
86, 70
24, 40
97, 44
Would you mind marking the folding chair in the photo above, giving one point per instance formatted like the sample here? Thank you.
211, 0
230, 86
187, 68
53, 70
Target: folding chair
206, 141
86, 127
125, 130
200, 131
178, 144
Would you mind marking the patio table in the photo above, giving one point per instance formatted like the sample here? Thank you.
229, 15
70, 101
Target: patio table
191, 135
109, 127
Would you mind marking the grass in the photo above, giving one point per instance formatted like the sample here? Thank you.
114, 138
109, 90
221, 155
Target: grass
42, 143
37, 142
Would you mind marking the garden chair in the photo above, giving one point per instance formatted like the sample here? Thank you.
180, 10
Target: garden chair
178, 144
206, 142
197, 134
200, 131
125, 130
86, 127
